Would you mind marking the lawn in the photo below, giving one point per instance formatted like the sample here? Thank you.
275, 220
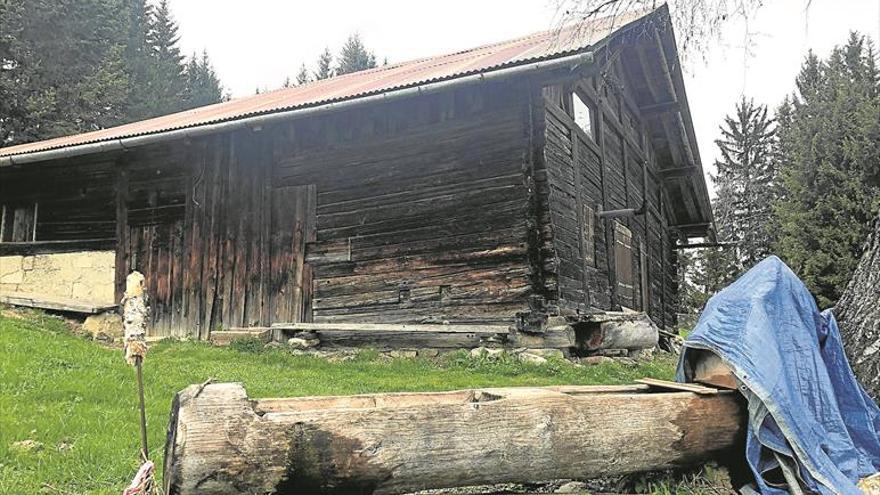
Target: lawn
77, 399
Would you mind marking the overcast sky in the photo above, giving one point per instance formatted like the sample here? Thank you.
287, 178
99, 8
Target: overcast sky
260, 42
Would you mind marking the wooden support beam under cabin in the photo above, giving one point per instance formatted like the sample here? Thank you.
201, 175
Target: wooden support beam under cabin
630, 331
222, 442
399, 335
54, 303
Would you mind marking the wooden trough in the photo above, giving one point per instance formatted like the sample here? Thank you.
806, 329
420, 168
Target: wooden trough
222, 442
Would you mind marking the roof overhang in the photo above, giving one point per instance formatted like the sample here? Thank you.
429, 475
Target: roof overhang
663, 103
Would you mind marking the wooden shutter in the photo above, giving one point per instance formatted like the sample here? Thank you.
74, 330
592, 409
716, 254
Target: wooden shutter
623, 263
588, 233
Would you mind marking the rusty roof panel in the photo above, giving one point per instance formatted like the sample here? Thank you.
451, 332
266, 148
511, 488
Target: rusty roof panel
543, 45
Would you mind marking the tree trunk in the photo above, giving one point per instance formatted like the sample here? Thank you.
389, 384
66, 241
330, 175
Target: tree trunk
858, 313
221, 442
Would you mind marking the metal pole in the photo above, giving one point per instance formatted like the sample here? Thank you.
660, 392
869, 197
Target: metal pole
140, 382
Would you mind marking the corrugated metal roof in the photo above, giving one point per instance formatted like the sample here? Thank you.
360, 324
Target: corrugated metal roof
539, 46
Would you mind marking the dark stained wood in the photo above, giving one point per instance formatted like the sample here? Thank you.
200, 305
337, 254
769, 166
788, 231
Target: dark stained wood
46, 247
474, 205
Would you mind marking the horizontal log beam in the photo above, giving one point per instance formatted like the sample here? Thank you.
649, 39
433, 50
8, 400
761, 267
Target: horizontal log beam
46, 247
383, 328
221, 441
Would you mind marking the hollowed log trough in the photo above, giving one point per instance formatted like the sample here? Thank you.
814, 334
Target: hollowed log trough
221, 442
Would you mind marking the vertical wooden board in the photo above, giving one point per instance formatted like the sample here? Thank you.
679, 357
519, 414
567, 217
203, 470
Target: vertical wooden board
254, 229
194, 246
293, 222
264, 159
122, 244
227, 212
212, 248
244, 227
176, 277
310, 237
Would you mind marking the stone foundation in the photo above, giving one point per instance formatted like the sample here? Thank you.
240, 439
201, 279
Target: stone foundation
83, 276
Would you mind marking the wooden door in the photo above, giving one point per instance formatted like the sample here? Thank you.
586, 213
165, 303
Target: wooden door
292, 225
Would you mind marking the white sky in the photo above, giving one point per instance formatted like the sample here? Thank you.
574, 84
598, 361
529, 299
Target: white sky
260, 42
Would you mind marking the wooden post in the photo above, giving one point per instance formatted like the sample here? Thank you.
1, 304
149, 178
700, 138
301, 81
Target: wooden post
220, 441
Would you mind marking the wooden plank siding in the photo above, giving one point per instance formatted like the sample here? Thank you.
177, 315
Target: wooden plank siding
411, 212
422, 208
602, 171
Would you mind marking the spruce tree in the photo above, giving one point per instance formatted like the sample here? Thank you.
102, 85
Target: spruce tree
168, 68
745, 183
325, 65
302, 77
61, 69
829, 133
354, 56
202, 86
139, 61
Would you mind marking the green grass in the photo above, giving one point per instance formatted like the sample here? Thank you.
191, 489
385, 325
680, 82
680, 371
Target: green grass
78, 399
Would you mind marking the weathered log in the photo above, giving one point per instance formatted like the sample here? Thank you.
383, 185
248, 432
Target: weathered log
220, 441
858, 313
621, 331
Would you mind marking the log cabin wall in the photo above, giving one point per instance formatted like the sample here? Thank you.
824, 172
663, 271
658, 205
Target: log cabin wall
421, 207
71, 201
594, 165
411, 212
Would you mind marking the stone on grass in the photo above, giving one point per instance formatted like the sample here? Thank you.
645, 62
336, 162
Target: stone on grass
547, 353
572, 487
104, 326
301, 343
528, 357
487, 351
403, 353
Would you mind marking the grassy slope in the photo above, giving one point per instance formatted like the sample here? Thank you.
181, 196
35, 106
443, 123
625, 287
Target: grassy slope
78, 399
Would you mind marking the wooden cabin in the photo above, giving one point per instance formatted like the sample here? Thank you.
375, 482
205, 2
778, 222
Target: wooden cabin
550, 175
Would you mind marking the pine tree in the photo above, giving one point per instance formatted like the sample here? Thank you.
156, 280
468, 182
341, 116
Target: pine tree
302, 77
829, 134
745, 183
325, 65
354, 56
201, 86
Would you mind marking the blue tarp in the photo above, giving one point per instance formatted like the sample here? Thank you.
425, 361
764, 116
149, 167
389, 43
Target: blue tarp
807, 413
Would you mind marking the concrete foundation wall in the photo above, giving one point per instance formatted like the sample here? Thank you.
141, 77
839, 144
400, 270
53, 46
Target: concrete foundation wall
83, 276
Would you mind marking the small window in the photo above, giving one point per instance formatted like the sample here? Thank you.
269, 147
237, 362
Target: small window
18, 223
589, 229
583, 113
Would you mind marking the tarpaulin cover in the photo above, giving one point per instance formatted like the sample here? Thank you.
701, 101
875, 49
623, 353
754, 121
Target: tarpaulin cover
808, 416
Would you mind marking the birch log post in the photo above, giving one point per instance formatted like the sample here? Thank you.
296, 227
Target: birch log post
222, 442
